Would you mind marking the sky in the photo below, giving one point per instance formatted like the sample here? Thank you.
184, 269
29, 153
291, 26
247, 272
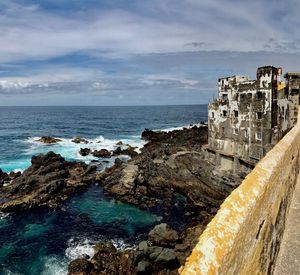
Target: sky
138, 52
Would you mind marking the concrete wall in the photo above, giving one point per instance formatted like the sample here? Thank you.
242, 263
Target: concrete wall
244, 236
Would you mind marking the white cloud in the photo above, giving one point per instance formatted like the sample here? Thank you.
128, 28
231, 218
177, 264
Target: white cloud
172, 26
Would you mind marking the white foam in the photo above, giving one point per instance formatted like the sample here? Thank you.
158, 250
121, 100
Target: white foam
180, 127
79, 249
83, 247
3, 215
70, 150
8, 272
120, 244
55, 266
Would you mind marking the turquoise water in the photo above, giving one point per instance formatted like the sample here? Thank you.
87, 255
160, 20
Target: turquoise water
46, 240
43, 241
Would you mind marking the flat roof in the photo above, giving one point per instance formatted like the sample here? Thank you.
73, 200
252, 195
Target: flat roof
293, 74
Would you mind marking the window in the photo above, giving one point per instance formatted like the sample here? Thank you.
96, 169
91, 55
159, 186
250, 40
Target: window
259, 115
236, 113
258, 136
259, 95
212, 114
246, 133
224, 113
224, 96
236, 131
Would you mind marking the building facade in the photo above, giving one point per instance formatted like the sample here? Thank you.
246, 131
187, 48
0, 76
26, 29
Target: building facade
248, 117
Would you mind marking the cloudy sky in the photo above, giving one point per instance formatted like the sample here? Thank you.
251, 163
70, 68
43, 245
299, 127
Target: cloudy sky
138, 52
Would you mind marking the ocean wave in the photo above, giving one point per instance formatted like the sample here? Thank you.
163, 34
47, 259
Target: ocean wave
3, 215
179, 127
70, 150
78, 249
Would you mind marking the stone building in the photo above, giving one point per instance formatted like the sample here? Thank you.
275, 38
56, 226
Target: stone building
248, 117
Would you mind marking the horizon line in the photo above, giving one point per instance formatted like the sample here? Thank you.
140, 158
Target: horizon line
144, 105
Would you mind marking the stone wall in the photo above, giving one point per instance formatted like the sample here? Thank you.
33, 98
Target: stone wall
244, 236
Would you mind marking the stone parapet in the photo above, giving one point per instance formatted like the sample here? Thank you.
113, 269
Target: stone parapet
244, 236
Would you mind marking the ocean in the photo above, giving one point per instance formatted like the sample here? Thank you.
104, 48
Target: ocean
44, 241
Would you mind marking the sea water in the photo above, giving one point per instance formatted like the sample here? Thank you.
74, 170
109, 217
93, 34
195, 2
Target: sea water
43, 241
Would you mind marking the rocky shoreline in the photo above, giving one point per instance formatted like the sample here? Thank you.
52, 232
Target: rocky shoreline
170, 167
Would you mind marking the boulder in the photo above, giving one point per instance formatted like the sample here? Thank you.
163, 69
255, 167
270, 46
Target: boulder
80, 140
103, 153
144, 267
167, 258
163, 235
49, 140
107, 260
129, 151
84, 151
80, 266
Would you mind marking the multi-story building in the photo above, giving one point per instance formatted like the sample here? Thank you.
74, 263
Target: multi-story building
249, 116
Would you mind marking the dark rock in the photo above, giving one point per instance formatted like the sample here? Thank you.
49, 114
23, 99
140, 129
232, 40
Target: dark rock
47, 182
163, 235
168, 258
49, 140
117, 151
103, 153
129, 151
84, 151
118, 162
107, 260
144, 267
4, 178
154, 252
105, 247
14, 175
80, 266
80, 140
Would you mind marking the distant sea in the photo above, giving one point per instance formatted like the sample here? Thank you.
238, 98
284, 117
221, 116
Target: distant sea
44, 241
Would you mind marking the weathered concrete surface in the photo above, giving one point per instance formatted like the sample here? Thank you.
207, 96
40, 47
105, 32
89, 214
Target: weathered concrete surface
244, 237
288, 261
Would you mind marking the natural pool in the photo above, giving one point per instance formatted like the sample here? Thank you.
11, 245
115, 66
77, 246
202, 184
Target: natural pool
44, 241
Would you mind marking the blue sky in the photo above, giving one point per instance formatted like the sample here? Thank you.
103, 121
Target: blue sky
118, 52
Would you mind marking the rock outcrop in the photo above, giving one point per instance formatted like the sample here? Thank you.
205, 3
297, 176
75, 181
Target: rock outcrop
170, 163
103, 153
129, 151
4, 178
107, 260
49, 140
84, 151
80, 140
163, 253
47, 182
